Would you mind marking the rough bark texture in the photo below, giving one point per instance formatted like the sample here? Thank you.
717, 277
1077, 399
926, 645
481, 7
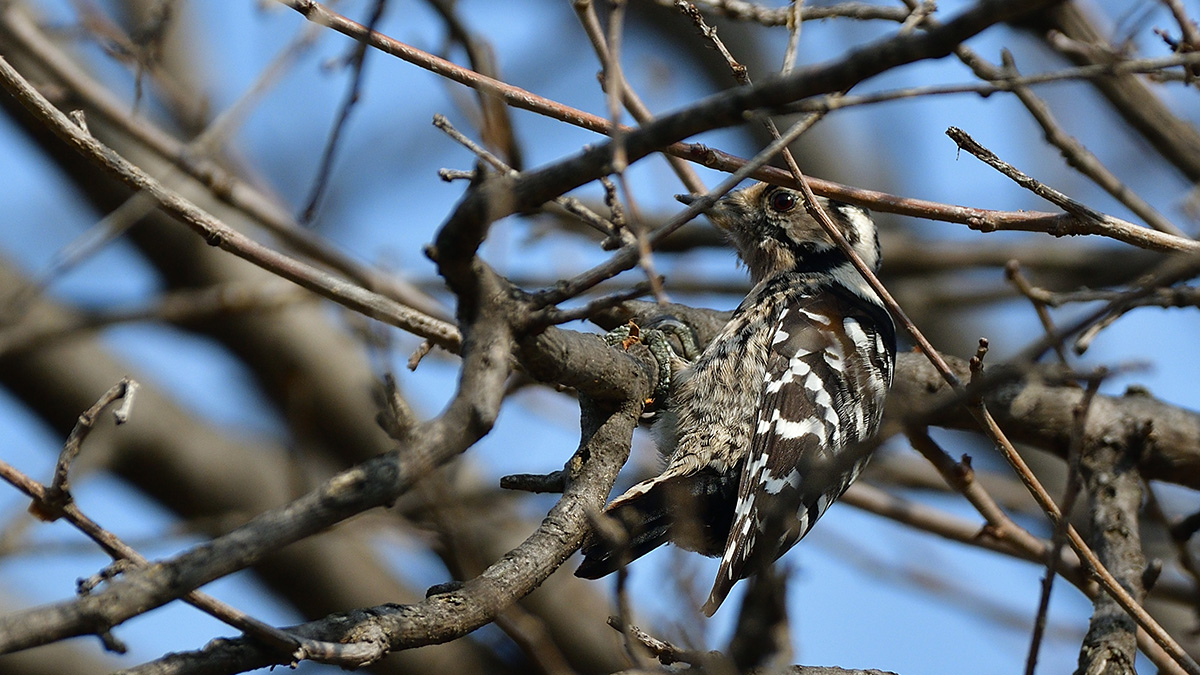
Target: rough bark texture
1114, 489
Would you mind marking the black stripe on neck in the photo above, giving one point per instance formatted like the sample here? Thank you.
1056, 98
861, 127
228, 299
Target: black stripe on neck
820, 261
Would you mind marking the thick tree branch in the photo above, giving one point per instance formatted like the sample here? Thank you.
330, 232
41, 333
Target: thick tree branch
1114, 490
374, 483
1039, 414
607, 431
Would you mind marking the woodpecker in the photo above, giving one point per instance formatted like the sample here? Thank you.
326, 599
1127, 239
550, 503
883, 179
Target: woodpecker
766, 427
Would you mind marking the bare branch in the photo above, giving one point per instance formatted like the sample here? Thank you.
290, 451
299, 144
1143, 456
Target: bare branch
218, 234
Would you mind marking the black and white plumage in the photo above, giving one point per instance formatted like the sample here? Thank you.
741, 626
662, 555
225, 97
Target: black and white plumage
765, 429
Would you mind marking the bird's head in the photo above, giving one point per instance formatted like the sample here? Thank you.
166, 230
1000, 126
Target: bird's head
774, 233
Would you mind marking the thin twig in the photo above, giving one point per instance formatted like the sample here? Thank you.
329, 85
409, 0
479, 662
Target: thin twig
614, 86
666, 653
961, 476
495, 118
1070, 494
794, 25
1153, 67
1168, 273
554, 315
132, 210
55, 501
358, 66
778, 16
980, 219
1086, 214
1083, 160
1012, 272
570, 204
1190, 41
586, 11
218, 233
58, 495
627, 256
710, 34
1103, 576
1072, 150
224, 185
118, 550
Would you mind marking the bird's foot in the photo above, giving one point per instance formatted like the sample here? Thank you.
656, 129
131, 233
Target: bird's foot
656, 337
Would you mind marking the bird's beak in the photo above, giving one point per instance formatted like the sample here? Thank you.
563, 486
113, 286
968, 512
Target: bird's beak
719, 213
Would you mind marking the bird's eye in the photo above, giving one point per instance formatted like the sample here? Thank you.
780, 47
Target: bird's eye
783, 201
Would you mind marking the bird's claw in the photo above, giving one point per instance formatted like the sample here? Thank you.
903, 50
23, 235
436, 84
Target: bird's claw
655, 337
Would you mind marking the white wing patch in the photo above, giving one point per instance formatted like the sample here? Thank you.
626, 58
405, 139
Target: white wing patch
787, 429
781, 334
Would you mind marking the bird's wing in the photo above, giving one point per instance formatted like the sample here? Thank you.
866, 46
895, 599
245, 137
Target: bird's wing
828, 370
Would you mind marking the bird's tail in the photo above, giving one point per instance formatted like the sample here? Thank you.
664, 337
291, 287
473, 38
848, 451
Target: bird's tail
642, 513
693, 510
